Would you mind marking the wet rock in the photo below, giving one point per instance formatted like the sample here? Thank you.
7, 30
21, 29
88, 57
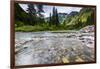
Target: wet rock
55, 48
87, 29
81, 38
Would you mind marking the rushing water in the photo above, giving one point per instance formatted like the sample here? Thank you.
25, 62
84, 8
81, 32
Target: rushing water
49, 47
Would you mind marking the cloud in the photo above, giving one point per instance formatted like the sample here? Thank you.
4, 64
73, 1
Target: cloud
48, 9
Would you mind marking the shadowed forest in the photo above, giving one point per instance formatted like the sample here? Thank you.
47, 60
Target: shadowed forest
35, 20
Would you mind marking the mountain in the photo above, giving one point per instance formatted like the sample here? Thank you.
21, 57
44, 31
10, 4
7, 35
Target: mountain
73, 13
78, 20
71, 18
61, 16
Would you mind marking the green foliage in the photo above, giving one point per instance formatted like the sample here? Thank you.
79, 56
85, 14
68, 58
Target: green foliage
21, 17
35, 21
44, 27
85, 17
54, 20
29, 28
19, 23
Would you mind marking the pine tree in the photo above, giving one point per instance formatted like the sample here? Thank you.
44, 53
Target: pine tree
31, 10
53, 16
32, 14
50, 20
39, 11
55, 19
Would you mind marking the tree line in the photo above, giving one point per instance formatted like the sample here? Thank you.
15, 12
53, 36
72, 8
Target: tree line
34, 19
35, 16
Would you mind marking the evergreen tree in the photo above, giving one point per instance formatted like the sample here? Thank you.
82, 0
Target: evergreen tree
39, 13
53, 16
32, 13
55, 19
50, 20
35, 14
40, 10
21, 17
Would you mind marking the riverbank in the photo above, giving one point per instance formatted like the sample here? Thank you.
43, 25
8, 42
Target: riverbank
40, 28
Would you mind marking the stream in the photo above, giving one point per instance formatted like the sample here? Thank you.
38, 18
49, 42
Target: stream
53, 47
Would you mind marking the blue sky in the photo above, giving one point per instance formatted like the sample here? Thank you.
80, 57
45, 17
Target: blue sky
48, 9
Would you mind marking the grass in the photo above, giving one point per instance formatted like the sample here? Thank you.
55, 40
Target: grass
28, 28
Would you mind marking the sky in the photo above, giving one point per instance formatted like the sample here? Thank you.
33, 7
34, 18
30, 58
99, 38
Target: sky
48, 9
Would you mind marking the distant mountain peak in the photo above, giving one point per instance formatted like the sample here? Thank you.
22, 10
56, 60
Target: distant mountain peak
73, 13
63, 13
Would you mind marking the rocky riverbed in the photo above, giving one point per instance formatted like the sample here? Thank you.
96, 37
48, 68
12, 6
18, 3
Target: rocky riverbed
53, 47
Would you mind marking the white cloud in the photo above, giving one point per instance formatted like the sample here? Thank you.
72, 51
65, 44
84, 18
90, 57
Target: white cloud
48, 9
